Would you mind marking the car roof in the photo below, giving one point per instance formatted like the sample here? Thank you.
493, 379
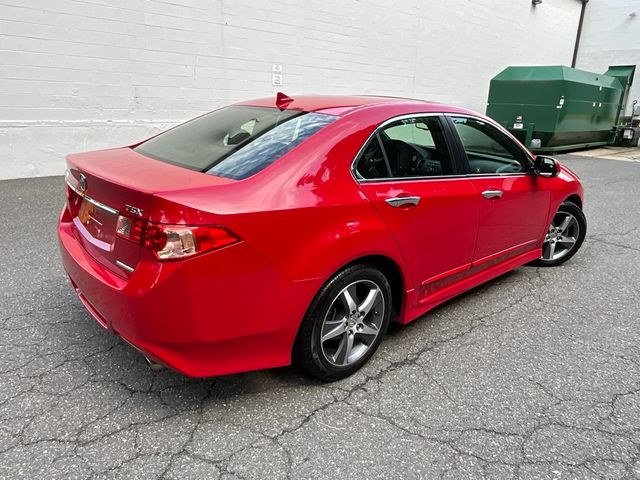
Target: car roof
343, 104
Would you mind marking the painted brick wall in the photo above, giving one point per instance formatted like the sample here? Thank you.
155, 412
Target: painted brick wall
611, 36
88, 74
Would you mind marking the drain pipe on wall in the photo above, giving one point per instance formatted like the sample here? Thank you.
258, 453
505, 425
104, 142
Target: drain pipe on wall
579, 34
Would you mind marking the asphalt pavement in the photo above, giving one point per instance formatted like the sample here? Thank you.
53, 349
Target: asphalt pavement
534, 375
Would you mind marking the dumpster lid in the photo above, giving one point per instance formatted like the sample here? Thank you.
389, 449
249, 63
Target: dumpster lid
558, 73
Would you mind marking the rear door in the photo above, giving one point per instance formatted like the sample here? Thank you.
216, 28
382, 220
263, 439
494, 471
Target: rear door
513, 204
408, 172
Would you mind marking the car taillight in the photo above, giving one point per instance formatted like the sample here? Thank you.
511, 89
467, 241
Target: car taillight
170, 242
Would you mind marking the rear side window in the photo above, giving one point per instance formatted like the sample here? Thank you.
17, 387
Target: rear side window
411, 147
234, 142
372, 163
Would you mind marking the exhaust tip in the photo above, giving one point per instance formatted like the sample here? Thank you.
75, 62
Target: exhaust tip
153, 365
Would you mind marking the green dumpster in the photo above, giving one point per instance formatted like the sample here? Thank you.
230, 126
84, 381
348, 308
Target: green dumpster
554, 108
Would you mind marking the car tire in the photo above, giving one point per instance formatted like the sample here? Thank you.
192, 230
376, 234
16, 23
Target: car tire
341, 331
564, 237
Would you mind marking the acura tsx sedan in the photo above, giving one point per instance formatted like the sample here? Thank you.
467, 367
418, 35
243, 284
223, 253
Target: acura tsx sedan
294, 230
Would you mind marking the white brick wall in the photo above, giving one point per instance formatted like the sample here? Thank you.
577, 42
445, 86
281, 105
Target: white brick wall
87, 74
611, 36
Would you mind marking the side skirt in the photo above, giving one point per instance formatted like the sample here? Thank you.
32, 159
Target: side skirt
429, 302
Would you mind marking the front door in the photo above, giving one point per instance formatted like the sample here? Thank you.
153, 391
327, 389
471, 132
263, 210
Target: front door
513, 206
408, 173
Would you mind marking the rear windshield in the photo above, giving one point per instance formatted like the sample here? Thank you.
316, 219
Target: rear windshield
234, 142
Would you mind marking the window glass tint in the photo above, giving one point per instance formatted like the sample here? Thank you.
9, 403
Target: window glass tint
488, 149
234, 142
416, 147
411, 133
371, 163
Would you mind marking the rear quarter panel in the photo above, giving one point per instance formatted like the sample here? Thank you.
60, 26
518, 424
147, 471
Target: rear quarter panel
305, 214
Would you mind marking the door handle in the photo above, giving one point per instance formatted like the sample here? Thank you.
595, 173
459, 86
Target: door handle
403, 201
492, 194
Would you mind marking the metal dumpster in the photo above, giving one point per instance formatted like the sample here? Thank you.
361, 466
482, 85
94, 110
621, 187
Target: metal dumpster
554, 108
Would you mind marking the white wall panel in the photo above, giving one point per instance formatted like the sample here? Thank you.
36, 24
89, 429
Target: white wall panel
90, 74
611, 36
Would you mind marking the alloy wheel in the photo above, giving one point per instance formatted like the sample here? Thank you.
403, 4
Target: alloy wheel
352, 322
562, 236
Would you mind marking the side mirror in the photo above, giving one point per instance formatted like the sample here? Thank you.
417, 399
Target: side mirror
545, 167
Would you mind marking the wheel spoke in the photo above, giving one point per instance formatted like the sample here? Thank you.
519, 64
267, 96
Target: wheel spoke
339, 350
341, 357
349, 297
369, 302
567, 240
369, 330
552, 250
336, 331
568, 220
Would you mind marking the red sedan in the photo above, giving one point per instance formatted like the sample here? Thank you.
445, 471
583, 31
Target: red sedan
295, 230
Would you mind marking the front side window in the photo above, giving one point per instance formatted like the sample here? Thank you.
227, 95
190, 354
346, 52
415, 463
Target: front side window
488, 149
411, 147
234, 142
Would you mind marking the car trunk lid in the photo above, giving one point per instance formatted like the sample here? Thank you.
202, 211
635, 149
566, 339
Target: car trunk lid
103, 185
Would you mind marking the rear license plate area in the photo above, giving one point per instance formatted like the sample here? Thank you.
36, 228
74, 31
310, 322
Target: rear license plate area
96, 225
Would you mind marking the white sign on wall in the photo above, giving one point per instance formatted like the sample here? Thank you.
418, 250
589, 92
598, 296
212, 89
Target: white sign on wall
276, 75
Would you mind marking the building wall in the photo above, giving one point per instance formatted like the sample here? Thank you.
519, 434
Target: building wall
611, 36
88, 74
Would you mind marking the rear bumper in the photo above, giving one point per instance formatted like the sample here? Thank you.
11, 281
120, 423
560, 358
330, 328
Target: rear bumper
223, 312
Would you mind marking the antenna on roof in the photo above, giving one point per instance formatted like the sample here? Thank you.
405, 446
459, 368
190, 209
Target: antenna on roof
282, 101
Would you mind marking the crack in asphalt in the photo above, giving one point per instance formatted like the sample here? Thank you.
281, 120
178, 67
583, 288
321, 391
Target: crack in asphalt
613, 244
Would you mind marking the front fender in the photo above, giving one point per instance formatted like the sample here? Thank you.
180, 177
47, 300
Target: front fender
562, 187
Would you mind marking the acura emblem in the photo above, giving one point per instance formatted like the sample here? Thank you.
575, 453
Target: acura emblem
82, 182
